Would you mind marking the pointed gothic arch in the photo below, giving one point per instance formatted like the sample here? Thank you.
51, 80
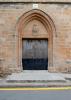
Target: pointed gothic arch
47, 22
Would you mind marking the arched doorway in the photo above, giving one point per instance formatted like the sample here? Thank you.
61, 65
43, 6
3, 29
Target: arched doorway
35, 30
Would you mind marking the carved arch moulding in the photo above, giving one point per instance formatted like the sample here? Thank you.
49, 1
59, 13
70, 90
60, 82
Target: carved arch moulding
48, 24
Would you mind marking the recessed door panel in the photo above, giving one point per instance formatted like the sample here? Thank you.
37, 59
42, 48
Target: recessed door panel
35, 54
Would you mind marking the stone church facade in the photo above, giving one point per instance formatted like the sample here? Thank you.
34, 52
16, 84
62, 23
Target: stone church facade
35, 33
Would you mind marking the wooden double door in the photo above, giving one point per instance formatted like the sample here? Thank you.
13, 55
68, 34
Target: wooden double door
35, 54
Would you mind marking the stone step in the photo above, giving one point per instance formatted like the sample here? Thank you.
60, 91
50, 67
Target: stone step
35, 76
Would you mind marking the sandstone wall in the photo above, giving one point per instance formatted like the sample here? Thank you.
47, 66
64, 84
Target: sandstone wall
61, 16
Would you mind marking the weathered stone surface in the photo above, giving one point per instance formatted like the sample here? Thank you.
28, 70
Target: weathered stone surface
4, 72
61, 16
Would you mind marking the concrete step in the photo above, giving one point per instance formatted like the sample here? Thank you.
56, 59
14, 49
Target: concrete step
36, 79
32, 76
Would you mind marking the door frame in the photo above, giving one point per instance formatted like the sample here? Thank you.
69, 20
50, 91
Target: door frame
49, 25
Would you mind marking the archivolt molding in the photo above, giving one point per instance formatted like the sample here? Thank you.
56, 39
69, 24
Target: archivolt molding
48, 24
38, 15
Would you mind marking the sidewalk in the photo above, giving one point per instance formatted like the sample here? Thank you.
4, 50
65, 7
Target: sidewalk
36, 79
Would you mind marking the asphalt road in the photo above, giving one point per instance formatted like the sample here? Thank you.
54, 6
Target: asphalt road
35, 95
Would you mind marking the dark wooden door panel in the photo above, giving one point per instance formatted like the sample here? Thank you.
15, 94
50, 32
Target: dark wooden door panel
35, 54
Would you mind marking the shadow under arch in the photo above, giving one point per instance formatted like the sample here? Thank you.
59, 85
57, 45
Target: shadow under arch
48, 23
